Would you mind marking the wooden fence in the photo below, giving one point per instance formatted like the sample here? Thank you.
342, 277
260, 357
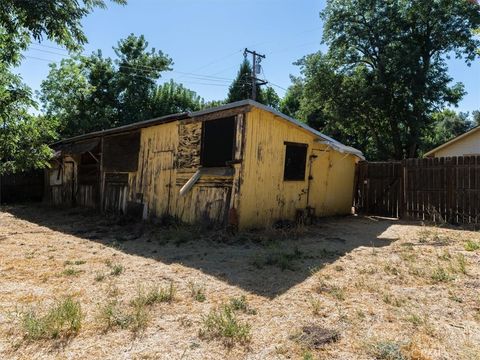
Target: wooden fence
438, 189
21, 187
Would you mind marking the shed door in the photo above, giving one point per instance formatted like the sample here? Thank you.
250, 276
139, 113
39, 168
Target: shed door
162, 183
320, 167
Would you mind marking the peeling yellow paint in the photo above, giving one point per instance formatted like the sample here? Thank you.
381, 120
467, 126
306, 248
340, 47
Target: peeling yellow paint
265, 197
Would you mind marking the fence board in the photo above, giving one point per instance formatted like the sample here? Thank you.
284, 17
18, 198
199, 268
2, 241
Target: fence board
438, 189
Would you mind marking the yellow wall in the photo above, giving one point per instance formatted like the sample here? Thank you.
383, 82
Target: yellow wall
265, 197
257, 189
333, 194
158, 181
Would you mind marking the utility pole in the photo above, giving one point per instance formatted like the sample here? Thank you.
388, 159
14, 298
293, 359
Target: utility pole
256, 59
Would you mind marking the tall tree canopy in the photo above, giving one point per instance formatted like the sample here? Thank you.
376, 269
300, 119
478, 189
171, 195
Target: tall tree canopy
171, 98
23, 137
385, 73
60, 22
447, 124
93, 93
241, 87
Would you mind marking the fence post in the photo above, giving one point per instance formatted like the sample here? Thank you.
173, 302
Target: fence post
401, 197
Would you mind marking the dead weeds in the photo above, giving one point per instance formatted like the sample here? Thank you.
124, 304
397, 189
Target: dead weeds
345, 288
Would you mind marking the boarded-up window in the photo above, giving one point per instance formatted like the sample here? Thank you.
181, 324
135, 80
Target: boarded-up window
295, 161
217, 142
120, 152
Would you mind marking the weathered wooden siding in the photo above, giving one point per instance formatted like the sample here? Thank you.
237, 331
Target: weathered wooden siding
340, 185
87, 195
169, 156
61, 189
264, 195
149, 184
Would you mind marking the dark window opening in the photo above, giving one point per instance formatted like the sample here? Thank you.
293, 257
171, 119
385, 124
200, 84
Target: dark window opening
89, 169
295, 161
217, 142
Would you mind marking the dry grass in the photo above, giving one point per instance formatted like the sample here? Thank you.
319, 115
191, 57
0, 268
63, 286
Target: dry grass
346, 288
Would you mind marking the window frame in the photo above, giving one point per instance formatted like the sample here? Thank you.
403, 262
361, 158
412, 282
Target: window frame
203, 143
304, 146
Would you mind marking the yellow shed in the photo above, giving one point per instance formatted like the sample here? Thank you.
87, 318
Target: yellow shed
242, 164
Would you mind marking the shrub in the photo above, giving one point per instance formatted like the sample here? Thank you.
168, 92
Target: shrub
63, 319
335, 291
316, 305
462, 263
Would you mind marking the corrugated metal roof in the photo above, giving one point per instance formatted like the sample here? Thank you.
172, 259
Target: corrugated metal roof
321, 137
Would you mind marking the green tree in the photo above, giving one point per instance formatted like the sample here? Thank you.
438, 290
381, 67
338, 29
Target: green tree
23, 137
447, 124
80, 93
138, 71
290, 104
171, 98
241, 87
60, 22
270, 97
386, 66
476, 117
89, 93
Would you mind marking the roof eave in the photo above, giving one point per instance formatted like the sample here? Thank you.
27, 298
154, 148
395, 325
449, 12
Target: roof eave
450, 142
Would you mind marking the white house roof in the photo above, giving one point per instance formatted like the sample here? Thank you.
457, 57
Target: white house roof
450, 142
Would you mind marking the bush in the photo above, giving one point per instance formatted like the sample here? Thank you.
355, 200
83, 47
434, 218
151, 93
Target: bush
63, 319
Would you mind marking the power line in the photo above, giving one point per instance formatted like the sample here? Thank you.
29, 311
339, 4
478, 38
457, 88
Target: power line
146, 68
145, 77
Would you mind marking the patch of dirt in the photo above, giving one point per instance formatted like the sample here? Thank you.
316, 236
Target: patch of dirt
379, 284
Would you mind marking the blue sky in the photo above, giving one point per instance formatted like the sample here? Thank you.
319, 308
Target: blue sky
206, 41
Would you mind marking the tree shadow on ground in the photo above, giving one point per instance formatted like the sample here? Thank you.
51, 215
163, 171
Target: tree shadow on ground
267, 263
